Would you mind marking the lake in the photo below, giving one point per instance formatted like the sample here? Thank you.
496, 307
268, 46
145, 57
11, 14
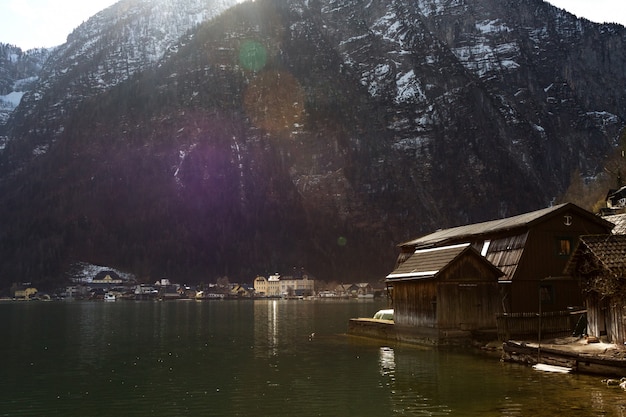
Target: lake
257, 358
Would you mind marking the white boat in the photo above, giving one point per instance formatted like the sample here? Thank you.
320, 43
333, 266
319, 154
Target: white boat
551, 368
109, 297
386, 314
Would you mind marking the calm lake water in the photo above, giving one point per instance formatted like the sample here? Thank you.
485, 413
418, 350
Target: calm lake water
257, 358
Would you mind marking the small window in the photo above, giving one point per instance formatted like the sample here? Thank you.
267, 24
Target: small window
485, 249
564, 246
546, 294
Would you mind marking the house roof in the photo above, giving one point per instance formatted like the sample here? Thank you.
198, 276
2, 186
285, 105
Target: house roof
525, 220
102, 275
609, 250
505, 253
619, 220
620, 192
427, 263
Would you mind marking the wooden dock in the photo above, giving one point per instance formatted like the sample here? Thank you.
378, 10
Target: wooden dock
597, 359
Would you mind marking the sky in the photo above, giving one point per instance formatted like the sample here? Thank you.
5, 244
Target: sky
45, 23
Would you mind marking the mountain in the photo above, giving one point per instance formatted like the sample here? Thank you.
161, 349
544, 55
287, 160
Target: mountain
195, 139
19, 70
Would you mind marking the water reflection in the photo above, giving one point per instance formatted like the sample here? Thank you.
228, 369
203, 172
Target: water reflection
266, 328
387, 361
258, 358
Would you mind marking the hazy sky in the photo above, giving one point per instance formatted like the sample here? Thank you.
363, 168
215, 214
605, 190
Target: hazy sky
601, 11
45, 23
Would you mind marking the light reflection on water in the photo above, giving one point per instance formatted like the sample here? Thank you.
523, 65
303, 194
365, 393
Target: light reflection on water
257, 358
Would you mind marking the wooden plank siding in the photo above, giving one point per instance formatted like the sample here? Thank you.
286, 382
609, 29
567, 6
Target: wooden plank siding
415, 304
527, 325
526, 249
462, 296
541, 260
558, 295
516, 265
599, 263
615, 322
606, 318
469, 306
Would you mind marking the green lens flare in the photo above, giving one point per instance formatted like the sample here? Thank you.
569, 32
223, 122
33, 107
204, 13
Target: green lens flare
252, 55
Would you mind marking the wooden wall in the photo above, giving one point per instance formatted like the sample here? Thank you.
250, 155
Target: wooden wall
415, 303
469, 306
524, 295
541, 260
606, 318
464, 296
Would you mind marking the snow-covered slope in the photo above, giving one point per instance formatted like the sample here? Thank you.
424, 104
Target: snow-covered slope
109, 48
19, 71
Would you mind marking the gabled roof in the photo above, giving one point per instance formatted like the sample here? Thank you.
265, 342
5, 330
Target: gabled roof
619, 220
525, 220
609, 250
619, 193
428, 263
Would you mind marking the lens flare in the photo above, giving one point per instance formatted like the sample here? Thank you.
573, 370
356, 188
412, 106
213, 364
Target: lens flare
274, 101
252, 56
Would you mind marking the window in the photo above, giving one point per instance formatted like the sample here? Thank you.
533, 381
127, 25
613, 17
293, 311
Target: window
485, 249
564, 246
546, 294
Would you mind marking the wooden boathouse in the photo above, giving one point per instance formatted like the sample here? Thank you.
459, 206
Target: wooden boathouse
599, 262
457, 295
446, 292
531, 249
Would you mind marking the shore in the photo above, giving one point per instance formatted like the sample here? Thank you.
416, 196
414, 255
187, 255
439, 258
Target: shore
577, 354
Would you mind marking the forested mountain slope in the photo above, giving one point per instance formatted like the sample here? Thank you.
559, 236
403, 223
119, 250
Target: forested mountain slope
316, 134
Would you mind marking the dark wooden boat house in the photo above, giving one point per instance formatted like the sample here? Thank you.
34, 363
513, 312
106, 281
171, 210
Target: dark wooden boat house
531, 251
599, 262
444, 292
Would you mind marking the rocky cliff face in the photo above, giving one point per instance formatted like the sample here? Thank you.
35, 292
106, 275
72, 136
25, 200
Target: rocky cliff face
19, 71
312, 134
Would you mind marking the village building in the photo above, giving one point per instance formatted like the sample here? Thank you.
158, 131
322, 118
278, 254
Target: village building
616, 199
277, 286
599, 262
619, 220
23, 291
241, 291
444, 293
106, 279
344, 290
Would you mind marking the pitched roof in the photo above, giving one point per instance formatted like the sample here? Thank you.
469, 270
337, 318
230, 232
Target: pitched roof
427, 263
610, 250
619, 220
505, 253
520, 221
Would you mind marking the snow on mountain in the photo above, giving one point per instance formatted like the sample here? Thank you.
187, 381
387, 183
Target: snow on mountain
19, 71
111, 47
157, 148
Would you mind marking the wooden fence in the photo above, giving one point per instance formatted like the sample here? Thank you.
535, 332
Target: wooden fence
528, 325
